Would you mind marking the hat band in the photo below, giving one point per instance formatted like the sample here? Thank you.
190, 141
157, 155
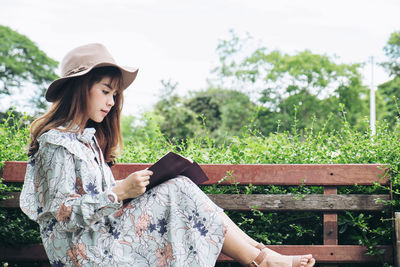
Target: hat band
74, 71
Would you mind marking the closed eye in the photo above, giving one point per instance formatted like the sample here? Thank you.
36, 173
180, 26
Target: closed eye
109, 89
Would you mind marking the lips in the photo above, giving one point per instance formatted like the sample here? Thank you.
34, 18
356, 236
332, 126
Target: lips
105, 111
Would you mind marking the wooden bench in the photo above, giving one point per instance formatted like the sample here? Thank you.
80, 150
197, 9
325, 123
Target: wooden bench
330, 176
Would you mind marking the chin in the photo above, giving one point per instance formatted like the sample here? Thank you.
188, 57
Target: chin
98, 120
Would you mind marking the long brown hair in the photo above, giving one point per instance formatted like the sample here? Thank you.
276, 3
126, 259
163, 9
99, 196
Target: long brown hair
72, 104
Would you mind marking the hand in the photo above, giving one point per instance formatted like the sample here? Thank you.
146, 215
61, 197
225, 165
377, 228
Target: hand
132, 186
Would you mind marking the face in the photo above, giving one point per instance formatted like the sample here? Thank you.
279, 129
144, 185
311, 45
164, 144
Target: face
101, 99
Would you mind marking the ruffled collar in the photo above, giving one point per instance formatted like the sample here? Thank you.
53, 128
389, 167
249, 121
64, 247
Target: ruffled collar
84, 136
87, 135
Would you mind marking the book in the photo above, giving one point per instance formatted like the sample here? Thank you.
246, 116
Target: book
172, 165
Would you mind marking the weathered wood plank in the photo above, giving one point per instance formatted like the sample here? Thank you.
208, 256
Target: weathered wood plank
330, 221
397, 236
330, 230
283, 174
33, 252
264, 202
312, 202
323, 254
330, 253
12, 202
14, 171
277, 174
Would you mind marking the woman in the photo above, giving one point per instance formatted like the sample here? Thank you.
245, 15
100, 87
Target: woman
70, 191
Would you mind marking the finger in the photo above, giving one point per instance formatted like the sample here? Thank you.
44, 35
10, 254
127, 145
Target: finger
148, 172
141, 172
145, 172
143, 178
143, 184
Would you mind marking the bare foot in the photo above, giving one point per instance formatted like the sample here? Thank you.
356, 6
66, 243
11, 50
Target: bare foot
270, 258
297, 261
261, 246
303, 261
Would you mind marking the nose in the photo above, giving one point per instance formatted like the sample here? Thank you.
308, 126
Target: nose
110, 101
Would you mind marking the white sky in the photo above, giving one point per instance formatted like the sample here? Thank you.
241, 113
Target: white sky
177, 39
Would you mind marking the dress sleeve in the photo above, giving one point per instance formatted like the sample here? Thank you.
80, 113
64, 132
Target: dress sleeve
58, 195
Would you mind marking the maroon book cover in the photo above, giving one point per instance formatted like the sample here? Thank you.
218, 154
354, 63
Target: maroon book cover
172, 165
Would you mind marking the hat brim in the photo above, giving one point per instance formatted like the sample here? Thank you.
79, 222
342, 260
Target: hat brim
128, 75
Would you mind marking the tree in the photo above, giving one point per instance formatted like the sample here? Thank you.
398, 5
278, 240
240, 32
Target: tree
390, 90
175, 120
224, 112
392, 51
23, 66
214, 112
304, 83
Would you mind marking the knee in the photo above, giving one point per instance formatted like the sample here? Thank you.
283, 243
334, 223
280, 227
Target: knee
181, 182
182, 179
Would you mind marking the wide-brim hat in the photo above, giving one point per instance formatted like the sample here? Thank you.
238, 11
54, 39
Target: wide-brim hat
82, 60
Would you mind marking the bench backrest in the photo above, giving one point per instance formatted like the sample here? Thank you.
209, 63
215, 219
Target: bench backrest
257, 174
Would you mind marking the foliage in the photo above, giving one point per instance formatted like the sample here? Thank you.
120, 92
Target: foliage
24, 65
345, 145
15, 228
392, 51
272, 90
310, 85
214, 112
223, 112
14, 134
390, 90
174, 118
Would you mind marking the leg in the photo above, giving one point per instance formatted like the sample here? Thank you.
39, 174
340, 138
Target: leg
233, 227
237, 231
239, 246
236, 244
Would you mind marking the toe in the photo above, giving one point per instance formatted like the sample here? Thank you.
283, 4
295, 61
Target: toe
306, 260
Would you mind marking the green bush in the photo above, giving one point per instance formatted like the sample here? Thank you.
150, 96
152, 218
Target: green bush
14, 135
15, 227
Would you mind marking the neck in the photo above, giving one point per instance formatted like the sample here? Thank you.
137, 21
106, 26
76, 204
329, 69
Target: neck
83, 123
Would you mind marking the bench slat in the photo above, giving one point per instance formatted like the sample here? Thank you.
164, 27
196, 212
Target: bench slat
33, 252
330, 231
266, 174
313, 202
323, 254
330, 253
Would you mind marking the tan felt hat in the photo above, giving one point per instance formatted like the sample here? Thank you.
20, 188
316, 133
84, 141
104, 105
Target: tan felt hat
83, 59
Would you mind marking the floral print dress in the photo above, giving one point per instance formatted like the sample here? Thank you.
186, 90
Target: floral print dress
67, 191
